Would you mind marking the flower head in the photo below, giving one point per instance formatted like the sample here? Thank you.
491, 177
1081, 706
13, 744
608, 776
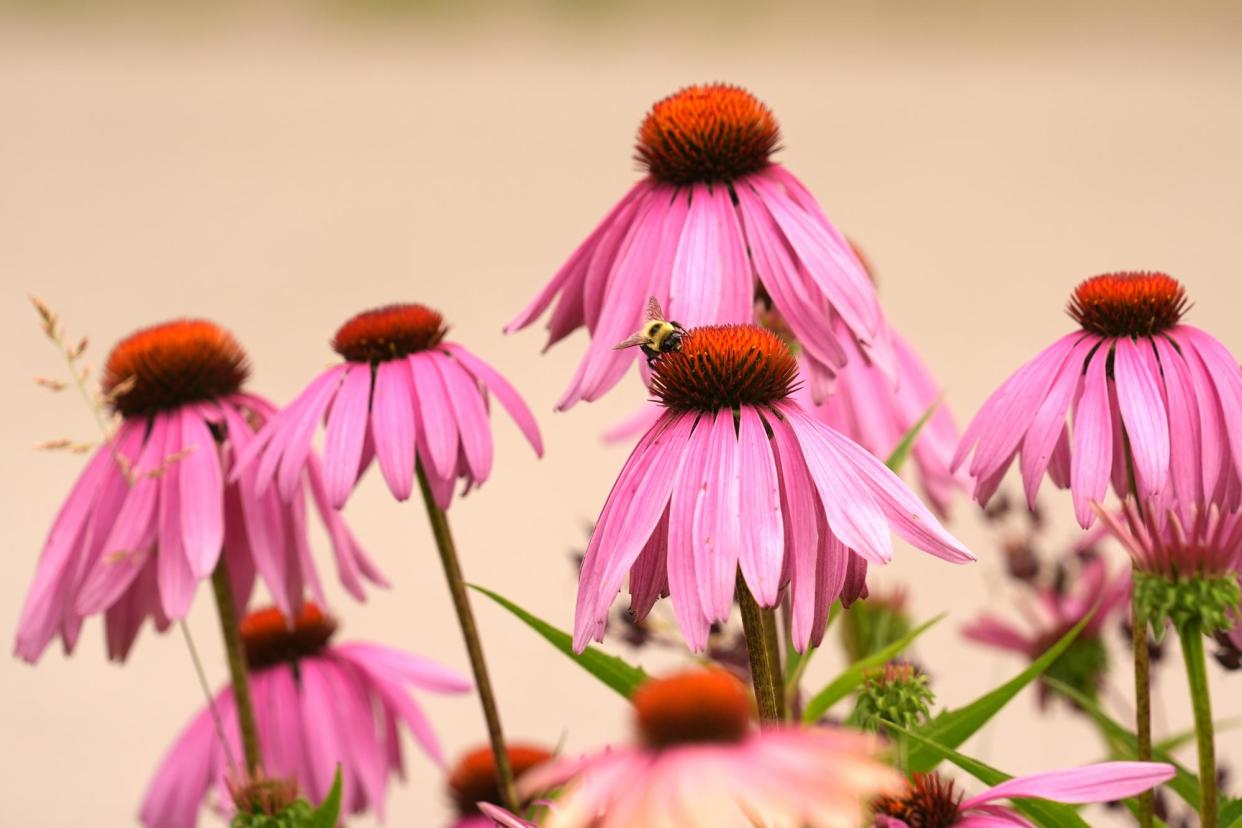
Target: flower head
1134, 397
931, 801
404, 397
701, 762
713, 225
472, 782
1185, 571
159, 504
1056, 609
318, 705
735, 475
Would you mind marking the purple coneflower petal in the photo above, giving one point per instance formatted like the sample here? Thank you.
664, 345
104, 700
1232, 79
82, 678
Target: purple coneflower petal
716, 519
1091, 460
392, 426
201, 483
1143, 413
649, 575
1102, 782
504, 392
292, 444
988, 629
1048, 424
759, 496
1185, 432
437, 428
467, 401
176, 574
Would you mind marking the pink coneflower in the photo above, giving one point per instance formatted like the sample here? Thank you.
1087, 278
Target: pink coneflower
318, 706
734, 475
932, 801
472, 782
701, 762
1058, 608
154, 509
713, 223
1132, 380
403, 396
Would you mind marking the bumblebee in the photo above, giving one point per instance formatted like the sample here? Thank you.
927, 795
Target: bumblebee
657, 335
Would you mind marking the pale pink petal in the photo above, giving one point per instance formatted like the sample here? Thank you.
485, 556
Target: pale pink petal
498, 385
716, 520
762, 523
392, 426
400, 666
1092, 455
683, 577
1103, 782
803, 517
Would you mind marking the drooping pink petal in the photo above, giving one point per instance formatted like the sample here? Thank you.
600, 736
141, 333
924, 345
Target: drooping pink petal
201, 484
1185, 434
392, 426
1102, 782
176, 574
346, 432
649, 575
498, 385
759, 497
683, 577
1226, 378
988, 629
1049, 421
716, 519
437, 426
296, 427
343, 544
467, 401
183, 778
1143, 413
831, 570
1092, 456
803, 521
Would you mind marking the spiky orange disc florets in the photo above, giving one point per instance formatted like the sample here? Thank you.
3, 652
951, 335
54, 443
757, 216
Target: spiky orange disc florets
1128, 304
270, 639
930, 802
695, 706
714, 132
167, 365
388, 333
473, 779
724, 366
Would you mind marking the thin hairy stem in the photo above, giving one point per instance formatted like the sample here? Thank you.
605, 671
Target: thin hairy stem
759, 624
211, 699
222, 586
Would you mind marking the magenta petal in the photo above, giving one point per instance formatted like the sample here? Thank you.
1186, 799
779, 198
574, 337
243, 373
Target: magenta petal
438, 429
1049, 420
1185, 435
831, 570
1092, 455
176, 573
392, 426
762, 523
201, 485
1225, 377
1142, 411
342, 541
649, 575
298, 428
1102, 782
804, 520
683, 578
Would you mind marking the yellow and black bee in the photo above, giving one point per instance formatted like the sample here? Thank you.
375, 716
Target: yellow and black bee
657, 336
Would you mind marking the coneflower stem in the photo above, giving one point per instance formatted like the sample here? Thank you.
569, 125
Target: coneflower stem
474, 646
1142, 665
230, 629
759, 624
1201, 702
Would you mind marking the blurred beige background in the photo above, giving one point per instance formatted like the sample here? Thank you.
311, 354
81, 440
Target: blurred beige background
279, 171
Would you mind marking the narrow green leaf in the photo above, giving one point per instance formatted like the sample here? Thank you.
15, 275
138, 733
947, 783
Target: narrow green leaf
1042, 811
852, 676
1185, 784
1186, 737
617, 673
1231, 813
329, 812
953, 727
898, 458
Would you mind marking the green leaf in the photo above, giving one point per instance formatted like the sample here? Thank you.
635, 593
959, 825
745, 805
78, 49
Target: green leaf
1186, 737
1231, 813
842, 685
617, 673
953, 727
1042, 811
898, 458
1185, 784
329, 811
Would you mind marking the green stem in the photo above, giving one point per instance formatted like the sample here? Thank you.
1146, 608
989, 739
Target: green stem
1142, 666
222, 586
474, 646
759, 624
1200, 700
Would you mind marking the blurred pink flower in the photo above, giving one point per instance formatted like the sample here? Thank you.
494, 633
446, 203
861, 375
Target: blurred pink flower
402, 397
713, 224
736, 475
150, 515
1058, 608
933, 800
702, 764
1133, 375
473, 787
317, 706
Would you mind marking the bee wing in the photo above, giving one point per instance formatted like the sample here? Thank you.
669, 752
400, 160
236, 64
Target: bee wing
654, 312
636, 339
